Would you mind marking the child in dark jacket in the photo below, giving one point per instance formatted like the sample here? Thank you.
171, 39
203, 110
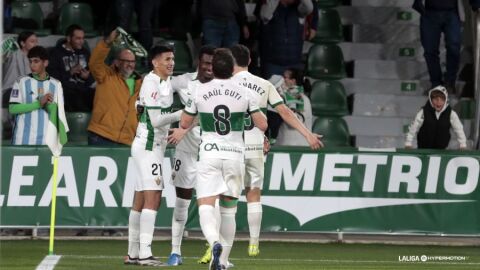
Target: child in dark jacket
434, 121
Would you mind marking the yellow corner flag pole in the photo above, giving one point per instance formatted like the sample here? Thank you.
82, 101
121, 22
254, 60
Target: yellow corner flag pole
54, 205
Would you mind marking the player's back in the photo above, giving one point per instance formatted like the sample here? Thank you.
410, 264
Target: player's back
221, 106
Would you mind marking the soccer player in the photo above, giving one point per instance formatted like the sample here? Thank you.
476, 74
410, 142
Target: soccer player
148, 148
221, 105
186, 152
31, 100
265, 93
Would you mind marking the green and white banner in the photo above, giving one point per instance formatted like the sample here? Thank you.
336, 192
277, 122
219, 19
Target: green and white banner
329, 190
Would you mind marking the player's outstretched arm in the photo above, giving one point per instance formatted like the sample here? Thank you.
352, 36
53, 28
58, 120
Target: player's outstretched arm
259, 120
313, 139
186, 120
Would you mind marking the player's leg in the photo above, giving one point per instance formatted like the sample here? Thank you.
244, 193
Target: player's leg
134, 229
233, 172
253, 187
149, 164
209, 185
184, 179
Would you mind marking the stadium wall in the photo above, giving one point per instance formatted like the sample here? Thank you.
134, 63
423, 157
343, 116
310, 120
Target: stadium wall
327, 191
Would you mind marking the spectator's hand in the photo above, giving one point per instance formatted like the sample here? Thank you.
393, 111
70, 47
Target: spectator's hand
47, 98
311, 34
112, 37
84, 74
314, 140
75, 70
462, 148
408, 147
246, 32
176, 135
266, 145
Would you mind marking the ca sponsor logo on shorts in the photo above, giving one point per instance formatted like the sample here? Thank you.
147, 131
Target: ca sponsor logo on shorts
210, 147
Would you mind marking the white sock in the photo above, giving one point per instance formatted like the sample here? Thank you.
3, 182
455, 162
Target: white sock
147, 226
179, 218
217, 214
208, 223
227, 232
133, 233
254, 210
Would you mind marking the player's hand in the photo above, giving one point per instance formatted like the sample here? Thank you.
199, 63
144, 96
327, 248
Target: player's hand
314, 140
47, 98
266, 145
176, 135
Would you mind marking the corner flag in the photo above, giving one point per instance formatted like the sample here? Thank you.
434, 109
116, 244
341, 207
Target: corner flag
57, 128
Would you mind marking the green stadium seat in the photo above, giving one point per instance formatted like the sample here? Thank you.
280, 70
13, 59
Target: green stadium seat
328, 98
28, 16
327, 3
329, 27
76, 13
325, 61
183, 57
78, 123
334, 130
465, 108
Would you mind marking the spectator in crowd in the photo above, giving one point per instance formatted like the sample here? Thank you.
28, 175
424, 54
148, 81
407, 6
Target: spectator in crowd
114, 119
69, 64
222, 22
17, 64
437, 17
144, 9
311, 23
281, 34
30, 100
291, 87
434, 121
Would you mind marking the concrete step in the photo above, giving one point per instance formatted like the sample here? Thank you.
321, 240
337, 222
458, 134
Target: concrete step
377, 51
385, 105
385, 33
382, 3
378, 15
398, 142
385, 69
386, 126
378, 86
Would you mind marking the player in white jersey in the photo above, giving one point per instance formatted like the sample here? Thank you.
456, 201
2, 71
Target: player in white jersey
148, 147
265, 94
186, 152
30, 100
221, 105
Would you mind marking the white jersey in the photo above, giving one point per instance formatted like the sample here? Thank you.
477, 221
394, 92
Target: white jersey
31, 127
221, 106
183, 84
265, 94
156, 96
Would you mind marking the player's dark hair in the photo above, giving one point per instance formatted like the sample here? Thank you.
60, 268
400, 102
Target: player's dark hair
38, 51
241, 54
206, 49
23, 36
159, 49
71, 29
222, 63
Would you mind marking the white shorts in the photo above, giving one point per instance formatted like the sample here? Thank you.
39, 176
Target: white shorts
254, 168
184, 173
149, 166
219, 176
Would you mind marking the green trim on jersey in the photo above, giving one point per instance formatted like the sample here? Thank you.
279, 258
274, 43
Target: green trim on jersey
276, 104
208, 122
249, 125
145, 118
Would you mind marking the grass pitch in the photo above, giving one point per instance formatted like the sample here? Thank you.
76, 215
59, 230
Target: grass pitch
108, 254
